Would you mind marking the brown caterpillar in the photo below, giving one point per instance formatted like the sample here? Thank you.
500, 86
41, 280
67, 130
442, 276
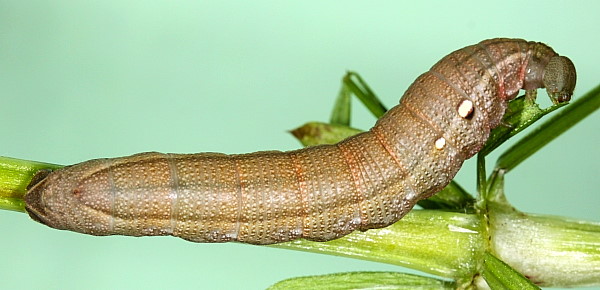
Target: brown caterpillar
319, 193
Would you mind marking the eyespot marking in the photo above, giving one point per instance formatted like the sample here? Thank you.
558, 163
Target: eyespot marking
465, 109
440, 143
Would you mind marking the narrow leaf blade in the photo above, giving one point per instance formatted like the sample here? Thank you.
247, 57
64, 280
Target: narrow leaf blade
452, 198
522, 112
316, 133
361, 89
363, 280
340, 115
550, 129
501, 276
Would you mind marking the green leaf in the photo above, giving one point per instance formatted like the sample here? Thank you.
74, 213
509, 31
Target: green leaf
342, 107
359, 87
363, 280
549, 130
501, 276
521, 113
352, 83
452, 198
316, 133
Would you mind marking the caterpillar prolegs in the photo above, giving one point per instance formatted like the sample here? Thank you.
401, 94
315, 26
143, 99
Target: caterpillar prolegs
318, 193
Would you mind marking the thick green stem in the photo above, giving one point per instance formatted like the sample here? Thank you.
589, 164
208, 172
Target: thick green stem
442, 243
550, 251
15, 175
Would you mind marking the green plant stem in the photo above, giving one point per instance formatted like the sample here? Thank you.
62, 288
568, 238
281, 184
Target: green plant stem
447, 244
481, 177
551, 251
15, 175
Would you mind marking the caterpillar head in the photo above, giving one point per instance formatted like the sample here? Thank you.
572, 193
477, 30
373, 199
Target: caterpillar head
559, 79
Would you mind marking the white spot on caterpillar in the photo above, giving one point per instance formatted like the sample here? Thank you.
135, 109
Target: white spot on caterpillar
465, 109
440, 143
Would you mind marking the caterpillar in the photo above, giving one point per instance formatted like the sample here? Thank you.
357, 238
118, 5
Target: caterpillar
317, 193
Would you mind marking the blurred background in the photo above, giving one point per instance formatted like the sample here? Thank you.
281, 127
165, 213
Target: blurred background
89, 79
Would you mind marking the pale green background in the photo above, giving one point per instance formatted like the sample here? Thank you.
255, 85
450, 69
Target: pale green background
88, 79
